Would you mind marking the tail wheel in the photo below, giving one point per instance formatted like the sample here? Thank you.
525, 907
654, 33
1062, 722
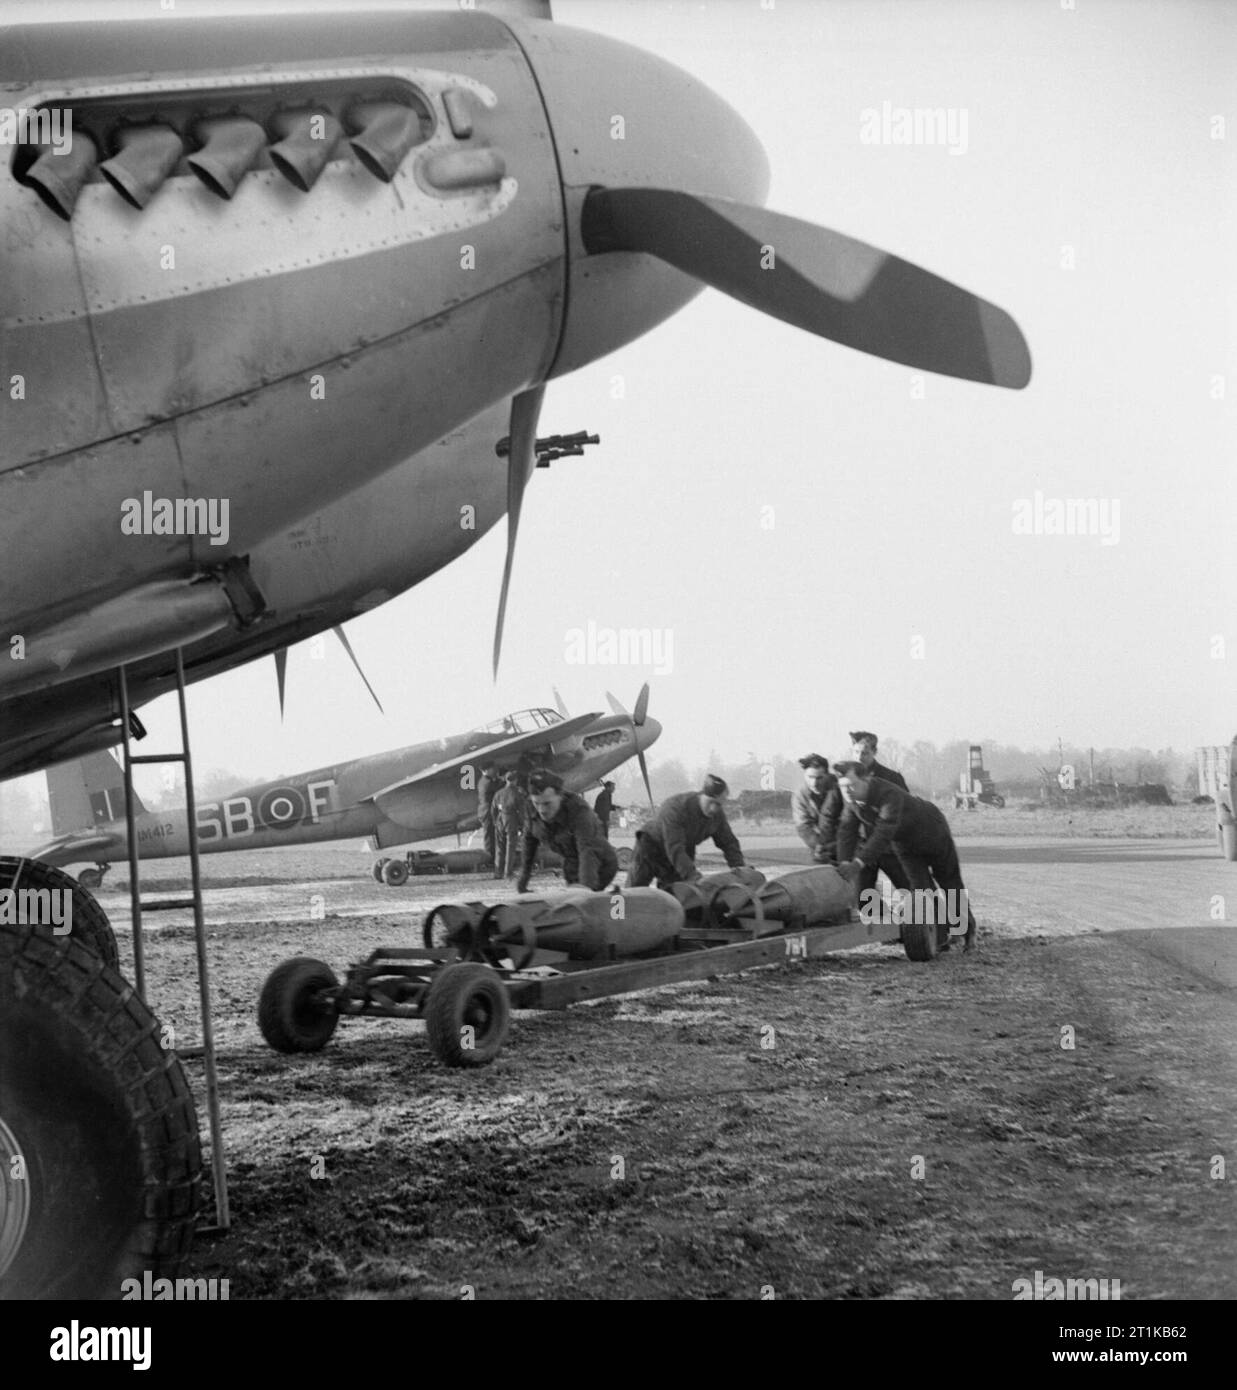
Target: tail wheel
395, 872
90, 878
90, 927
467, 1015
292, 1014
98, 1132
624, 857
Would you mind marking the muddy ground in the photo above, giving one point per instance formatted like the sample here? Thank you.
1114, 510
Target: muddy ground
851, 1127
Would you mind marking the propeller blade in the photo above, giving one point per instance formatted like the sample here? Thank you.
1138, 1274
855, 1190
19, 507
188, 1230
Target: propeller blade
521, 460
616, 706
815, 279
558, 701
642, 706
343, 637
281, 675
644, 772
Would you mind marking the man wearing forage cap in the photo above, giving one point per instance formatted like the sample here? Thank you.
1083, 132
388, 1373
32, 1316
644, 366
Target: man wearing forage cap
666, 846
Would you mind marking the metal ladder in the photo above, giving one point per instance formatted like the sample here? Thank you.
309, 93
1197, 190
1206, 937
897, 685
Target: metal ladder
138, 905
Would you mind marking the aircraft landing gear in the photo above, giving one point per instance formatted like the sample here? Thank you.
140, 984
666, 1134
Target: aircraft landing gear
93, 878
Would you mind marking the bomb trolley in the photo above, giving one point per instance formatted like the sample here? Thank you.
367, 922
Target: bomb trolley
478, 961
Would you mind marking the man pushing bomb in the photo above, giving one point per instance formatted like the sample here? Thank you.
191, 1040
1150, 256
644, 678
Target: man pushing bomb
666, 846
915, 830
562, 821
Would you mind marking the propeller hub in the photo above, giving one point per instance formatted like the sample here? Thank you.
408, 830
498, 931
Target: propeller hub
622, 117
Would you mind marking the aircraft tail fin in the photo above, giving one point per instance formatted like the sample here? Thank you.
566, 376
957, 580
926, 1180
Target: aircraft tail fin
87, 792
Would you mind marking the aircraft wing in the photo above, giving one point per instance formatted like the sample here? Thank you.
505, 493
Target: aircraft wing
505, 751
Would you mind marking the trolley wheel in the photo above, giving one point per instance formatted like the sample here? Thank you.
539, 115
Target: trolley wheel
377, 867
395, 872
90, 878
291, 1015
919, 940
90, 927
467, 1015
98, 1133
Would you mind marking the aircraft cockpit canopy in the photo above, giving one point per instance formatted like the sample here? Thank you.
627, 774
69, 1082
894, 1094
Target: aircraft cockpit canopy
525, 721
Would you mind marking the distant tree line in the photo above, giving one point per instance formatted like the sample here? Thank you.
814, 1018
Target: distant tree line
933, 770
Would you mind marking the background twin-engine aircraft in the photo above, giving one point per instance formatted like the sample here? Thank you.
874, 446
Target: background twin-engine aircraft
416, 793
318, 266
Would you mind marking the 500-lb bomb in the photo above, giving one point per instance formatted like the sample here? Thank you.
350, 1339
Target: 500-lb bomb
584, 925
808, 897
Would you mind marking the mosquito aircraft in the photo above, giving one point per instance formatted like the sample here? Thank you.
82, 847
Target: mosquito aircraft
282, 263
415, 793
408, 219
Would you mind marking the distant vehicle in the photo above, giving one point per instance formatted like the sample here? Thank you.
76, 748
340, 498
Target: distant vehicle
976, 786
415, 793
1217, 776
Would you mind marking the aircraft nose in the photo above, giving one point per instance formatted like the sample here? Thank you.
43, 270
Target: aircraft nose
624, 118
647, 733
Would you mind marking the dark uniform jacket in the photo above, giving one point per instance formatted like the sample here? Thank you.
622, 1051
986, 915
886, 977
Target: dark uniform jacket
487, 787
509, 804
575, 833
894, 820
680, 825
810, 812
603, 806
887, 774
841, 828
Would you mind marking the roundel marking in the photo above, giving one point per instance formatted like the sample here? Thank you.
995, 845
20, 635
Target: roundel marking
281, 808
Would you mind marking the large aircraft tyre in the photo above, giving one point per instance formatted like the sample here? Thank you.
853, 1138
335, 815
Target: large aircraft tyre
395, 873
100, 1161
467, 1015
292, 1014
89, 928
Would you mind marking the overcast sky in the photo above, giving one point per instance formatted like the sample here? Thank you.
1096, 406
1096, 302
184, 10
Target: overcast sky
1094, 202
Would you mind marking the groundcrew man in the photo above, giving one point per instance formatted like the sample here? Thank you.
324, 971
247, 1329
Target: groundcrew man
509, 807
913, 829
837, 812
863, 750
603, 807
666, 846
562, 821
811, 803
487, 790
